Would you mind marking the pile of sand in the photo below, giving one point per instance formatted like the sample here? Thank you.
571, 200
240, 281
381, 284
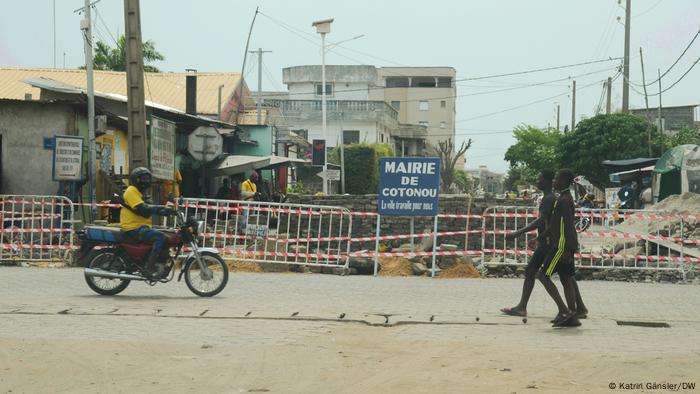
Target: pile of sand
243, 266
460, 270
395, 266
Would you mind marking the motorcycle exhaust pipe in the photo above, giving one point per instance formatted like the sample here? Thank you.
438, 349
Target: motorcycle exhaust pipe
112, 275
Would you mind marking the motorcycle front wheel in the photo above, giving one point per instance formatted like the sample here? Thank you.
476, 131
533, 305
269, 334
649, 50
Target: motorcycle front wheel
105, 259
203, 283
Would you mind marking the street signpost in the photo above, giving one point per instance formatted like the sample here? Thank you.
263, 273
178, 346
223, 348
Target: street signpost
408, 186
330, 175
205, 144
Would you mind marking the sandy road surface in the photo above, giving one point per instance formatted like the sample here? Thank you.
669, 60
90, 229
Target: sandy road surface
55, 336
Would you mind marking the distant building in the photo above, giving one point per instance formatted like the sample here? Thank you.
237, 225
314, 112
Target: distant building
488, 181
402, 106
673, 119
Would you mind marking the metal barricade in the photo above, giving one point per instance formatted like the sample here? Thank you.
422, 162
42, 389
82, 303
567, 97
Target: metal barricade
35, 228
631, 239
274, 232
497, 222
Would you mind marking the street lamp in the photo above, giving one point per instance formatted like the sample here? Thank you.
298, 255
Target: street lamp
323, 27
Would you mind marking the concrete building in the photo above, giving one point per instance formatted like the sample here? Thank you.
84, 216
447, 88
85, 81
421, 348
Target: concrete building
673, 118
488, 181
421, 95
359, 104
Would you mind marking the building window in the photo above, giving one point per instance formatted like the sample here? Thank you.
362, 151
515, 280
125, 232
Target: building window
443, 124
423, 105
319, 89
443, 104
396, 105
396, 82
351, 137
423, 123
382, 136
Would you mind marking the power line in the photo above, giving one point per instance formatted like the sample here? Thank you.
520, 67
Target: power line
523, 105
301, 34
674, 63
679, 79
539, 70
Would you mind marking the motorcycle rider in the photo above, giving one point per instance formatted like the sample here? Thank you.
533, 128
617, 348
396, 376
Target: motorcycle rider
135, 218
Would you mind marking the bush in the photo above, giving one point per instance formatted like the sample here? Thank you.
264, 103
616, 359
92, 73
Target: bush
361, 166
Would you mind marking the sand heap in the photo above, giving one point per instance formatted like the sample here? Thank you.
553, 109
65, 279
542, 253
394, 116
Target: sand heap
681, 228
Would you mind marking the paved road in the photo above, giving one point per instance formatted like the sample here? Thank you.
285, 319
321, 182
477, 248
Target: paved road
322, 299
273, 310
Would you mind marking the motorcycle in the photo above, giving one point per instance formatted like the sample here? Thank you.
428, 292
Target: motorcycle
112, 260
583, 222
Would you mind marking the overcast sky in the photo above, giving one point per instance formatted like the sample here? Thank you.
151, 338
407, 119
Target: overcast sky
477, 38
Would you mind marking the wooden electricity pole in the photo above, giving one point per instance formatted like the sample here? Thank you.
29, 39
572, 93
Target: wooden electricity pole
136, 107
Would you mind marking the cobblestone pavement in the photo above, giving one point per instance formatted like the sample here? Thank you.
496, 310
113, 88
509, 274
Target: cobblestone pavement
423, 304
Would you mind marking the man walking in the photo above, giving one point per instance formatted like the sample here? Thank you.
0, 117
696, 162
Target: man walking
544, 183
560, 258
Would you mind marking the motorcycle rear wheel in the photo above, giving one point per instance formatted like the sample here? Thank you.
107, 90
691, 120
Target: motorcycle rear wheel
197, 281
101, 259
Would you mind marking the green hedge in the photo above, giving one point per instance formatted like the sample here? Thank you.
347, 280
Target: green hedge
362, 166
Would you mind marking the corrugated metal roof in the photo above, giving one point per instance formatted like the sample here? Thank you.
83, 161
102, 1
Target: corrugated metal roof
163, 88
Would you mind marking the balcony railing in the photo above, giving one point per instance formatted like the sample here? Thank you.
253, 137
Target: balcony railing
333, 106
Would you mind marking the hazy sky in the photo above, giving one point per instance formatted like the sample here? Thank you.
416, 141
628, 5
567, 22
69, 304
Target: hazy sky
477, 38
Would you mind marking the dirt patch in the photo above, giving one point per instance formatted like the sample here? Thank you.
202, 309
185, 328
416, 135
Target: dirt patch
395, 266
243, 266
460, 270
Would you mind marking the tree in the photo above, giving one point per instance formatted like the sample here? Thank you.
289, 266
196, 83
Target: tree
535, 150
606, 137
448, 159
463, 181
108, 58
684, 136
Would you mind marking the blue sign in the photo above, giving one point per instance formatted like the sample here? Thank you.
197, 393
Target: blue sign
49, 143
409, 186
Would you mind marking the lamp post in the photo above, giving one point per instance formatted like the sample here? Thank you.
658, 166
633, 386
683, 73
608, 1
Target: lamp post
323, 27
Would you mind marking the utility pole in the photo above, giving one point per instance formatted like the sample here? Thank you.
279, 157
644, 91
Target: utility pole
626, 66
661, 124
557, 117
342, 156
136, 108
54, 33
86, 27
646, 98
259, 101
573, 107
608, 107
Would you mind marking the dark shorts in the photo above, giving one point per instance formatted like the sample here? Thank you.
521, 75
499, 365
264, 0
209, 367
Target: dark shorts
538, 257
559, 261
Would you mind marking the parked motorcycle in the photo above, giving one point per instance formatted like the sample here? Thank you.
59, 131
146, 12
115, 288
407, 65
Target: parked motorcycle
112, 260
582, 223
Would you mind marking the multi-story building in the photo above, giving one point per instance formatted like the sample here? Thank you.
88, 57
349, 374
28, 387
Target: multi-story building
402, 106
421, 95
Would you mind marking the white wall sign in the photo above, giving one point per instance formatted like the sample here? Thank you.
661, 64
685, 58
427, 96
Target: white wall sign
67, 158
162, 149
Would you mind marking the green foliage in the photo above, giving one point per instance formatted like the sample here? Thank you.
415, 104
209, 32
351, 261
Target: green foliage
606, 137
683, 137
535, 149
463, 181
521, 175
108, 58
361, 166
299, 188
